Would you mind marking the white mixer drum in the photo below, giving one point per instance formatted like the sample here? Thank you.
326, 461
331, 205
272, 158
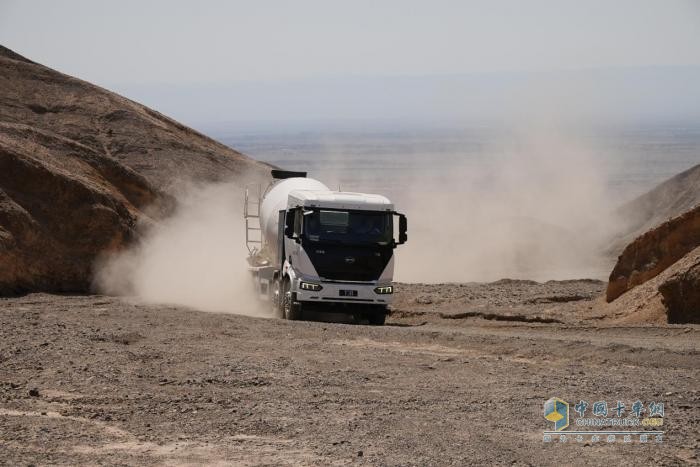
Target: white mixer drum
275, 200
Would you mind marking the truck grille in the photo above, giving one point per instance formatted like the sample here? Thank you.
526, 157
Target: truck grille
350, 263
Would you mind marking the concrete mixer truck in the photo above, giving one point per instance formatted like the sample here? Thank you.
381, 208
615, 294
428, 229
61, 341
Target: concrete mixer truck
313, 249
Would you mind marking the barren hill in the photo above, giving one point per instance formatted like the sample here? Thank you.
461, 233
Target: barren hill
78, 166
157, 147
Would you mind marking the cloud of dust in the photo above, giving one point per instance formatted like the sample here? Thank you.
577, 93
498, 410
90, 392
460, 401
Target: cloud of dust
532, 202
534, 207
524, 194
525, 198
195, 258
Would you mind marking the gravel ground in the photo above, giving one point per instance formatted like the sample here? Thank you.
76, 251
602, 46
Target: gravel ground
103, 380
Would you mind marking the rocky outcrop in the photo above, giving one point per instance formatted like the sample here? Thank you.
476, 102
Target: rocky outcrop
79, 168
646, 303
653, 252
61, 204
681, 295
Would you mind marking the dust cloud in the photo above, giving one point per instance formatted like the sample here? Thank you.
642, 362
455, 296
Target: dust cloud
529, 200
194, 258
535, 204
535, 207
535, 201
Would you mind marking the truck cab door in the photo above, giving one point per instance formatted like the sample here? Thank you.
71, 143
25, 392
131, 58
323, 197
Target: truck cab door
292, 234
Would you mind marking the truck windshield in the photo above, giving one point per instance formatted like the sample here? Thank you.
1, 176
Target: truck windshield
350, 227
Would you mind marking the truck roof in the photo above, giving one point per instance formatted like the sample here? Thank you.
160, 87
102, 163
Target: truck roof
339, 200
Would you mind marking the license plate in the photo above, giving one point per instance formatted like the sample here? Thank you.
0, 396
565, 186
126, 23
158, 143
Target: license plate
348, 293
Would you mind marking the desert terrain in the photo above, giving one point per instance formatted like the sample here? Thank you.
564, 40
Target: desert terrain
458, 375
104, 380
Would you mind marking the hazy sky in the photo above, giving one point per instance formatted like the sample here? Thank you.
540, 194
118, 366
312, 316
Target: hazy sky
134, 46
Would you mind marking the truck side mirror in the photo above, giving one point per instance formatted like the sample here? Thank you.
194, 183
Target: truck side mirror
289, 223
292, 227
297, 223
403, 228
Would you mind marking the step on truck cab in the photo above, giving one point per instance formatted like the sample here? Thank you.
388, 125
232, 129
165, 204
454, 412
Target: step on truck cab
314, 249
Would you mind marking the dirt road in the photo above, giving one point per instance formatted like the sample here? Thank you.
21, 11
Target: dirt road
100, 380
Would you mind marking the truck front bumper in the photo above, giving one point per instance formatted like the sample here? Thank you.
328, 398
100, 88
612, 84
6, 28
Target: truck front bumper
343, 292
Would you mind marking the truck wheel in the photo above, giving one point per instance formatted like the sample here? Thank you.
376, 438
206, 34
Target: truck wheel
276, 300
377, 317
292, 311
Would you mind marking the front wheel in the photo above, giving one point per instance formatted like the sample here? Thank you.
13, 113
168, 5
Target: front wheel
276, 300
377, 317
292, 311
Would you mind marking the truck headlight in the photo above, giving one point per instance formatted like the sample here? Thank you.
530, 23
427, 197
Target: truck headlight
310, 286
387, 289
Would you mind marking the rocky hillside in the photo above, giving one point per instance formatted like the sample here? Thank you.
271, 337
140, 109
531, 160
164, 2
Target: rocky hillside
673, 296
675, 196
651, 253
657, 276
79, 165
157, 147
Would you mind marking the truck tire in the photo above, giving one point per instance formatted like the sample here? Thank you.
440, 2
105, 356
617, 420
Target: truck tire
292, 311
276, 300
377, 317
